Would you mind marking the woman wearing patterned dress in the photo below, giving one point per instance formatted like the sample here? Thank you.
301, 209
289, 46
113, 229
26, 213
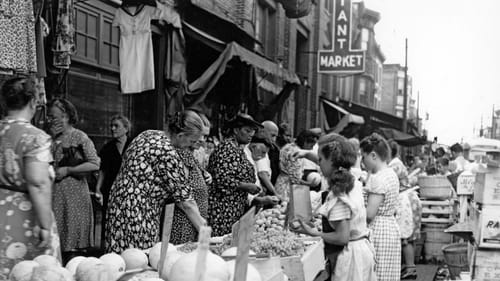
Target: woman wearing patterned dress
383, 189
291, 167
152, 174
26, 217
74, 155
233, 177
183, 229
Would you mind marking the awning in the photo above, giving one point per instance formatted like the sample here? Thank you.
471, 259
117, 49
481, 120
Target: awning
204, 84
401, 138
204, 37
337, 118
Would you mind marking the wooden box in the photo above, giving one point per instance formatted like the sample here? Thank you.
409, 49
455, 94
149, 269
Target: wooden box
307, 266
486, 265
487, 233
487, 186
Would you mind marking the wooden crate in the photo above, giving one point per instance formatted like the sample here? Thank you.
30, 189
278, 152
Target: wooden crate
307, 266
486, 265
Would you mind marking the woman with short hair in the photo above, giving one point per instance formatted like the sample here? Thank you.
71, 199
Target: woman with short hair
152, 174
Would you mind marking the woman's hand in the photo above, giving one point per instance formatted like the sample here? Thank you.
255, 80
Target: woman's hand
99, 197
56, 128
303, 228
253, 188
61, 173
300, 153
44, 236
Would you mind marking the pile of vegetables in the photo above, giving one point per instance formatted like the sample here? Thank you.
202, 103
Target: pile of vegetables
274, 218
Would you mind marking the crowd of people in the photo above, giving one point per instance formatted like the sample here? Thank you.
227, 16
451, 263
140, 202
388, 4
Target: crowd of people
370, 214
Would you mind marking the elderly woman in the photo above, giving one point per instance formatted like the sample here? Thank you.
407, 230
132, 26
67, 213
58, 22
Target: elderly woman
111, 160
233, 176
151, 175
75, 156
183, 229
27, 221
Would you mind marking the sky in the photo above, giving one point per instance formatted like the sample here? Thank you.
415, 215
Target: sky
453, 58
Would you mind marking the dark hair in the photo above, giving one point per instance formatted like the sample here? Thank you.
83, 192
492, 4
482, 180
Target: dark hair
343, 156
305, 136
17, 93
376, 143
187, 121
457, 148
394, 148
67, 107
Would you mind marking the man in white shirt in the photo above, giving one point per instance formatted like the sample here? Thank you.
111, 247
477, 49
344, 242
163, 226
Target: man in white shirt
459, 160
268, 166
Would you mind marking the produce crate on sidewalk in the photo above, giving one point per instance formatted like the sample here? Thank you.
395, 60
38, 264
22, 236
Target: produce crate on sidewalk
307, 266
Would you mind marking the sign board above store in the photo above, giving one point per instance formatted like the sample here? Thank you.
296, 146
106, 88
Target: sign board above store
341, 59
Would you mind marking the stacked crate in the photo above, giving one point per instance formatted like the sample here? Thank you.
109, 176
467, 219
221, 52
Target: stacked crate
438, 213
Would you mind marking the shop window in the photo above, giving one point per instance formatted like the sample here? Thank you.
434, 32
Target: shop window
97, 40
266, 28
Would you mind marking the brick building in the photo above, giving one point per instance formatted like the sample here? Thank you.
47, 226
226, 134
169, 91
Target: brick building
393, 92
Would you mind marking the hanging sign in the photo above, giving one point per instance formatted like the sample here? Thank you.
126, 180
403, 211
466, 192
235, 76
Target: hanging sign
341, 59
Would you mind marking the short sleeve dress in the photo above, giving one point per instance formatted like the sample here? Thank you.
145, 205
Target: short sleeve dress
385, 234
20, 143
152, 174
71, 200
229, 167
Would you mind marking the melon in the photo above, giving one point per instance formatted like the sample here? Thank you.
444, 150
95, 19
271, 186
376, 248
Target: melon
155, 253
171, 258
68, 276
73, 264
23, 270
183, 269
135, 259
47, 260
252, 273
231, 252
92, 269
48, 273
116, 265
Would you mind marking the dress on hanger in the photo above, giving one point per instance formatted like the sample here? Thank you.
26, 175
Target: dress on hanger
136, 48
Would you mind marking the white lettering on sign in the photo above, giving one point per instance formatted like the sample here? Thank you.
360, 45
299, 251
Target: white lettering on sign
465, 183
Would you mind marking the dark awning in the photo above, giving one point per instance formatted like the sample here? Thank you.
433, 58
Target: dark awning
337, 118
402, 138
204, 84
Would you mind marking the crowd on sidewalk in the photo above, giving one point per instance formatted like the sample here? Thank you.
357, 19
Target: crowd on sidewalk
370, 214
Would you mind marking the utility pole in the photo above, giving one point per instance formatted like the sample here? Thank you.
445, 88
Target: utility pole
418, 109
405, 90
493, 123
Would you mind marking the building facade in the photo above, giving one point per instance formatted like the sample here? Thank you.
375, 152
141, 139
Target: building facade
392, 100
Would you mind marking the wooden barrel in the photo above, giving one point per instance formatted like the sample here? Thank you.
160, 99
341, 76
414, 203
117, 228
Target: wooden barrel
435, 240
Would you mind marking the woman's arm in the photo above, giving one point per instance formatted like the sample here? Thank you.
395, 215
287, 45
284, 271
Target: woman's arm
192, 212
339, 237
40, 189
374, 202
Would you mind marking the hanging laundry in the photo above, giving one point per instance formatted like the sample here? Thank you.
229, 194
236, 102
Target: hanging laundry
41, 31
64, 44
17, 36
136, 48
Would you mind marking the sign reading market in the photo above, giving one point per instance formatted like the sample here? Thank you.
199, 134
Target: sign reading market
341, 59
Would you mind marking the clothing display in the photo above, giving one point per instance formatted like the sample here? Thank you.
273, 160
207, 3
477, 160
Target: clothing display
136, 48
17, 36
64, 44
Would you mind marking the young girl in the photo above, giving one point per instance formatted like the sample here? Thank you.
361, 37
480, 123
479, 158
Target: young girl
383, 189
345, 212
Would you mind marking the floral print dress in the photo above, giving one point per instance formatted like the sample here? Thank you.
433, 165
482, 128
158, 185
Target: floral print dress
20, 142
229, 167
291, 170
71, 199
182, 229
152, 174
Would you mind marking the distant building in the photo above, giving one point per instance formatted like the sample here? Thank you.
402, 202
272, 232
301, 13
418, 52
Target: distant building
392, 100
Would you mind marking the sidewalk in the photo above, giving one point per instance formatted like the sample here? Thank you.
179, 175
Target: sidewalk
426, 272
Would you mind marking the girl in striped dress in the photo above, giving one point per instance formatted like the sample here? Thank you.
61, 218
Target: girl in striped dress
383, 189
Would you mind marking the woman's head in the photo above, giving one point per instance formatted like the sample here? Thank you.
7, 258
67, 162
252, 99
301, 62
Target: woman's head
336, 156
243, 128
120, 126
17, 93
375, 151
185, 128
284, 134
62, 111
204, 132
306, 139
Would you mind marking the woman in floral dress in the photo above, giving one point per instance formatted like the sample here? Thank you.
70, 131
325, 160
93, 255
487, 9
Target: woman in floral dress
233, 177
71, 199
383, 189
26, 218
183, 229
152, 174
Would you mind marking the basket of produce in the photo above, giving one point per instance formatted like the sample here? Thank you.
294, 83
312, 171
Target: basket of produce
435, 187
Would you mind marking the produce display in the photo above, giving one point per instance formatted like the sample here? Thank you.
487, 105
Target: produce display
274, 218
